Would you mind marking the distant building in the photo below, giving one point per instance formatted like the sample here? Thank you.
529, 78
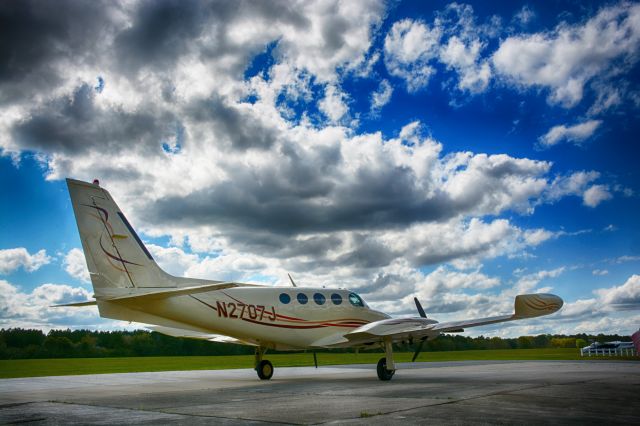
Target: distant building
616, 348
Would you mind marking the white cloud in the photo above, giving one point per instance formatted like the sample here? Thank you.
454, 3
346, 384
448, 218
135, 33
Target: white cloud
445, 280
626, 296
76, 265
568, 58
334, 105
15, 258
535, 237
34, 309
173, 259
381, 96
595, 195
600, 272
524, 15
605, 304
412, 49
336, 35
408, 49
579, 184
576, 133
233, 266
627, 258
529, 282
474, 75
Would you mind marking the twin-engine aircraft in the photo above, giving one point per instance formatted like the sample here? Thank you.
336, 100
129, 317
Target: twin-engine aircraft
130, 286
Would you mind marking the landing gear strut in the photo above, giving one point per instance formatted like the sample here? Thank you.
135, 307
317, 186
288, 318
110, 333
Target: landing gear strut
386, 367
263, 367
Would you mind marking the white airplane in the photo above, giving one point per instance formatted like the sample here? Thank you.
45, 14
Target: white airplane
130, 286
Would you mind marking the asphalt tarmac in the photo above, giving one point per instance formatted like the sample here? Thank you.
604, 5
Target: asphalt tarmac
473, 392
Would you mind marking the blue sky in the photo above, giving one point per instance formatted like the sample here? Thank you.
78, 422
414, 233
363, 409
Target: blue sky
461, 152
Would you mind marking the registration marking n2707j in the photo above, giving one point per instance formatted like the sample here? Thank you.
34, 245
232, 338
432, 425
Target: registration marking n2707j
245, 311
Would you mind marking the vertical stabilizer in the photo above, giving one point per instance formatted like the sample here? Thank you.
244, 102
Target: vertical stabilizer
116, 257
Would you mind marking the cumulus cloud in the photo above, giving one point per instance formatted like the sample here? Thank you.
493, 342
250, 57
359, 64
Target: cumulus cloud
381, 96
15, 258
334, 105
33, 309
474, 75
576, 133
566, 59
408, 48
524, 15
76, 265
597, 313
412, 48
595, 195
528, 282
579, 184
173, 259
457, 294
625, 296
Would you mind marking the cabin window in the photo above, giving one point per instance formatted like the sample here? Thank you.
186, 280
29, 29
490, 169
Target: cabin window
302, 298
355, 300
285, 298
336, 299
319, 298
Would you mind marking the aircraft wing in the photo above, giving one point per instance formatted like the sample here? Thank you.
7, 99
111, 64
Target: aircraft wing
177, 332
400, 329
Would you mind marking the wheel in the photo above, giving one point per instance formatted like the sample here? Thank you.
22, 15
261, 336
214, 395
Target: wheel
383, 373
265, 370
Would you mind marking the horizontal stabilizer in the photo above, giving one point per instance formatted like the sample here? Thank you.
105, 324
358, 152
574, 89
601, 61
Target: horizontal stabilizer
76, 305
134, 293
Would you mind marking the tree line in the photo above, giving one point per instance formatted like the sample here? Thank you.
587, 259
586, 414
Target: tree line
19, 343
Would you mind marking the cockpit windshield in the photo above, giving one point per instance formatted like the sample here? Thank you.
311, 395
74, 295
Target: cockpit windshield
356, 300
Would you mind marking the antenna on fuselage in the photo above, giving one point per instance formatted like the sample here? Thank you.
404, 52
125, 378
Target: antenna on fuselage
291, 279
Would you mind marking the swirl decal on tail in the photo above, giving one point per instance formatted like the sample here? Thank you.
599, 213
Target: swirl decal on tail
120, 263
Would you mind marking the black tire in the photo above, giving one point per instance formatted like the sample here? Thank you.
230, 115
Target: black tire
383, 373
265, 370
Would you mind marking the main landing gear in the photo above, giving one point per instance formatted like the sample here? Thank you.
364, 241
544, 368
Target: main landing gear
263, 367
386, 367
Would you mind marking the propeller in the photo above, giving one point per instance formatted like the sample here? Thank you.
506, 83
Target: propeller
419, 306
423, 315
418, 349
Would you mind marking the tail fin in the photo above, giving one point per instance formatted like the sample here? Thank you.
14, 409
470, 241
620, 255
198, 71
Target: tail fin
116, 257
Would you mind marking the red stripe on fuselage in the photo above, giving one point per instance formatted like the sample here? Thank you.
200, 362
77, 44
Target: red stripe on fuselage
324, 325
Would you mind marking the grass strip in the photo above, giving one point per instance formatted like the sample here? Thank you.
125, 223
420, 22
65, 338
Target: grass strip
74, 366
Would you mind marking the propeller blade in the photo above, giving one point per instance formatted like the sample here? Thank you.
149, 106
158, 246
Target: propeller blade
418, 349
315, 359
419, 306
